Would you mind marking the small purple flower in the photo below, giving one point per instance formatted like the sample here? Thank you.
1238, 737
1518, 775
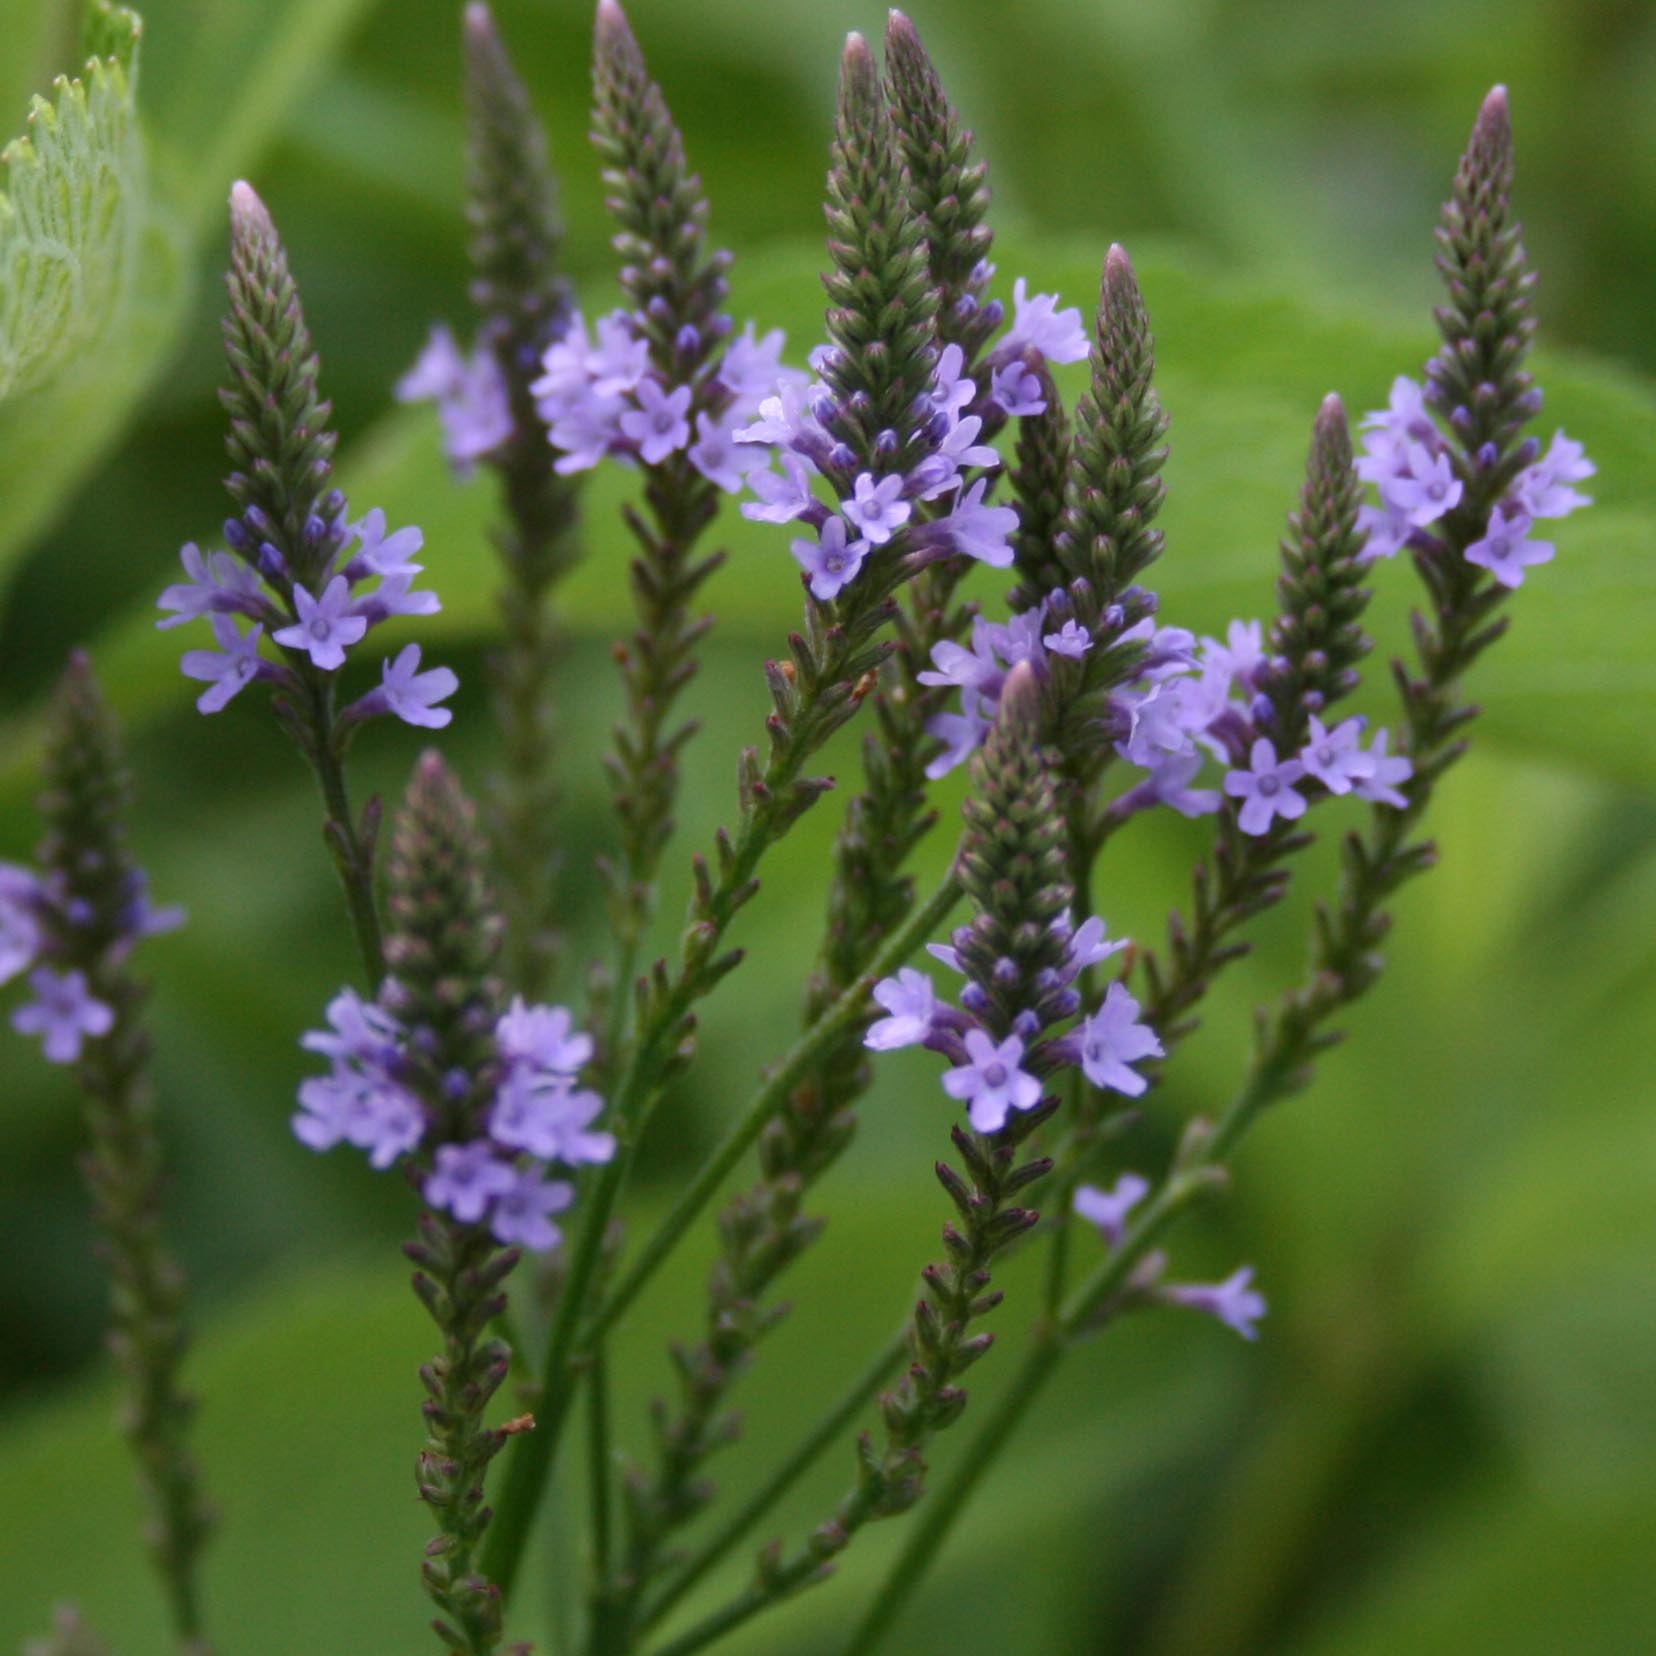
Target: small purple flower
384, 554
1017, 390
1267, 788
522, 1215
1234, 1301
388, 1123
63, 1013
972, 669
471, 397
783, 419
217, 583
1108, 1209
981, 531
830, 562
952, 392
230, 668
20, 934
548, 1116
467, 1178
585, 431
1543, 490
1386, 532
1071, 639
1169, 784
326, 627
961, 734
620, 360
877, 507
1038, 324
1336, 757
912, 1003
1088, 945
991, 1084
1506, 550
412, 695
720, 458
960, 445
543, 1036
1112, 1038
1405, 419
1423, 487
752, 368
361, 1032
783, 496
1380, 787
658, 425
1239, 656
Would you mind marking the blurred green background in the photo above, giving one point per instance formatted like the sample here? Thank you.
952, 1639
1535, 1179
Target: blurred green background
1445, 1441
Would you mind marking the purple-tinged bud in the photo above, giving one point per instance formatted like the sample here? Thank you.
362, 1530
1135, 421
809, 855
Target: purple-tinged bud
1313, 701
1027, 1025
886, 445
1114, 617
1006, 972
80, 912
258, 521
688, 340
994, 313
721, 325
1529, 451
937, 427
1262, 712
966, 307
1529, 405
974, 998
456, 1085
333, 504
316, 531
235, 536
272, 565
1067, 1004
661, 268
1461, 418
1489, 456
658, 310
842, 457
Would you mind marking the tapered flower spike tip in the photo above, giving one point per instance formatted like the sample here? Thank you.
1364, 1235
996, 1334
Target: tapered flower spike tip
1020, 702
1332, 427
859, 76
248, 214
611, 28
478, 18
1117, 266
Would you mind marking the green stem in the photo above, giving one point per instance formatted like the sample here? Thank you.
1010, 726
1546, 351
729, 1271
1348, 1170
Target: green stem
846, 1012
792, 1467
598, 1485
353, 859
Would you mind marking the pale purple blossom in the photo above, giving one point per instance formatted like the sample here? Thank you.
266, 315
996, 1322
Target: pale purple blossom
972, 669
783, 495
1017, 390
466, 1178
358, 1032
1169, 784
1506, 550
952, 392
1414, 482
1406, 417
412, 695
1336, 757
383, 554
327, 626
1386, 532
63, 1013
720, 458
1112, 1039
218, 583
751, 368
1240, 656
20, 933
471, 396
783, 419
660, 424
1071, 639
1266, 788
1108, 1209
830, 561
1380, 786
584, 431
1088, 944
1038, 324
877, 507
549, 1116
961, 734
911, 1003
1543, 490
522, 1214
1235, 1302
544, 1036
981, 531
991, 1084
960, 446
228, 669
621, 359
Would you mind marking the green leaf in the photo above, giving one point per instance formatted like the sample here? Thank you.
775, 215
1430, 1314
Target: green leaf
72, 204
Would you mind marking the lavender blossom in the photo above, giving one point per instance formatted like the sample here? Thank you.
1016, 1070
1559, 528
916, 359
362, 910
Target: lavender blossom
1380, 786
521, 1215
1112, 1039
63, 1013
1267, 788
1335, 757
229, 669
1506, 550
910, 1001
1234, 1301
829, 562
1108, 1209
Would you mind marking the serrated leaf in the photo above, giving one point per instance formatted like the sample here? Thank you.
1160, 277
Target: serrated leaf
72, 206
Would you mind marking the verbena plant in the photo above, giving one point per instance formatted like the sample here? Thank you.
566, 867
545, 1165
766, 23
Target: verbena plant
927, 436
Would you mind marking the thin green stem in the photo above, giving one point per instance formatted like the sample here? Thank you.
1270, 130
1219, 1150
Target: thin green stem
602, 1526
789, 1470
353, 859
745, 1131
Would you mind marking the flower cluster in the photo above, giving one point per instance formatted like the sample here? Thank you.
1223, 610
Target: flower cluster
994, 1078
317, 622
375, 1098
600, 394
472, 398
871, 507
42, 931
1412, 467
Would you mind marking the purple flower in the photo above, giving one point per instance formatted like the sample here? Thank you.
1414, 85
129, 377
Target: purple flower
1234, 1301
992, 1085
960, 446
620, 360
394, 597
981, 531
387, 1122
217, 583
326, 626
784, 496
1039, 325
1506, 550
1405, 419
63, 1013
1108, 1209
522, 1215
1237, 658
1380, 786
1088, 945
384, 554
972, 669
471, 397
658, 425
584, 430
720, 458
877, 507
1017, 390
829, 562
548, 1116
412, 695
1112, 1038
230, 668
1543, 490
1168, 784
466, 1179
20, 934
1267, 788
752, 368
1414, 482
361, 1032
1387, 532
961, 734
543, 1036
783, 419
952, 392
1071, 639
1335, 757
912, 1002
